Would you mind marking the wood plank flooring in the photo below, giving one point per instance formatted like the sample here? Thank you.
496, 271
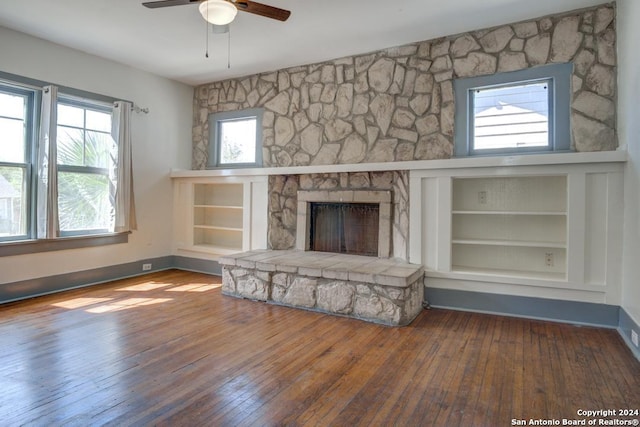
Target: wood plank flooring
169, 349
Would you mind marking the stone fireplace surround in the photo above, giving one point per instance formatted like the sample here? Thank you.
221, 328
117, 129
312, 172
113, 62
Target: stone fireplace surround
289, 195
386, 289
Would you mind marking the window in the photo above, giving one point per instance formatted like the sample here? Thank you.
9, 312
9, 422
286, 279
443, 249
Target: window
85, 168
517, 112
16, 130
235, 139
85, 152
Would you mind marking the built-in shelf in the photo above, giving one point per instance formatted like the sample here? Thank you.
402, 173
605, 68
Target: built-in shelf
214, 249
538, 275
510, 226
217, 217
216, 227
217, 207
508, 213
514, 243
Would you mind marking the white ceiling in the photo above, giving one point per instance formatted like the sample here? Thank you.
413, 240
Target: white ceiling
171, 41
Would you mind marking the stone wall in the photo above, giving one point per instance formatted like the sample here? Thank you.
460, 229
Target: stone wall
397, 104
283, 203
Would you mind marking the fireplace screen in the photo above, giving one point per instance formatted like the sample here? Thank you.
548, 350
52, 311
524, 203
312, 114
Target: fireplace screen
349, 228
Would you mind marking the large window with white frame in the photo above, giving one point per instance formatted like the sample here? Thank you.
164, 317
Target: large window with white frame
235, 139
86, 160
525, 111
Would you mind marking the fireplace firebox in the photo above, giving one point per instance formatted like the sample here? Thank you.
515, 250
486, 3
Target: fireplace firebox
345, 221
348, 228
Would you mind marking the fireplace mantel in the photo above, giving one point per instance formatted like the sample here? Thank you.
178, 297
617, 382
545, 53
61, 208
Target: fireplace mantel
431, 165
593, 236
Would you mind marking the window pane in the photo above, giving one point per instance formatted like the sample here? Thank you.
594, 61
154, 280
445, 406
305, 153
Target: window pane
13, 202
238, 141
79, 148
12, 106
98, 146
98, 120
70, 146
511, 117
12, 140
70, 116
83, 202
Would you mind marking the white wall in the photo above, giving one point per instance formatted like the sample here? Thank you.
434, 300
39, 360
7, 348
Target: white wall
629, 134
162, 140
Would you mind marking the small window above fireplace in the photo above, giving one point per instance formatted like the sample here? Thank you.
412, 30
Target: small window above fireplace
235, 139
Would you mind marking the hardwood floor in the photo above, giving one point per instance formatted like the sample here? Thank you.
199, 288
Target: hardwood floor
169, 349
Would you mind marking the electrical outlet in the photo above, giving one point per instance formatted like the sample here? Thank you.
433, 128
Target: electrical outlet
634, 337
146, 267
482, 197
548, 259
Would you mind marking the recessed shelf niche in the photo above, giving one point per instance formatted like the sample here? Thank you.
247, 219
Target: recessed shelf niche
510, 226
218, 216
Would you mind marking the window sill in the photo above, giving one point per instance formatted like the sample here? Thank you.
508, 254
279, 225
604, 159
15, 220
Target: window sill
24, 247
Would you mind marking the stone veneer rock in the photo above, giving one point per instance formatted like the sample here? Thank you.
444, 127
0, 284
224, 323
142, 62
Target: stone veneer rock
397, 104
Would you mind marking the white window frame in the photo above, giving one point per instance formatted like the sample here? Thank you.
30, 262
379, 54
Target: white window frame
215, 121
558, 77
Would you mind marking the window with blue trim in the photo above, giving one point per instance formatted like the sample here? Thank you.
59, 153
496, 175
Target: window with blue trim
235, 139
17, 128
85, 158
524, 111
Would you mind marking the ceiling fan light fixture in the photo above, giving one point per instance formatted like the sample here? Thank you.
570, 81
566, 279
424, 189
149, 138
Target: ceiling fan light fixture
218, 12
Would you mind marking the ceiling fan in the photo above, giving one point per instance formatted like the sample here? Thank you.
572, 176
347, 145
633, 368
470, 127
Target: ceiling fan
222, 12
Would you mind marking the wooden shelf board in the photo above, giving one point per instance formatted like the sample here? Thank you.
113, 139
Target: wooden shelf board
214, 249
218, 207
215, 227
530, 213
528, 244
509, 273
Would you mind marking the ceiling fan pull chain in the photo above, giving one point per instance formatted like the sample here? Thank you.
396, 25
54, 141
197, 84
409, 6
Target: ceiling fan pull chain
206, 32
206, 35
229, 49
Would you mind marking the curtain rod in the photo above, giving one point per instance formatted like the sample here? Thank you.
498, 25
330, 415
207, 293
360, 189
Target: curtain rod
139, 109
29, 83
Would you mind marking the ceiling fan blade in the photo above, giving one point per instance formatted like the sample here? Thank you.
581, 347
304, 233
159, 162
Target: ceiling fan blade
262, 9
167, 3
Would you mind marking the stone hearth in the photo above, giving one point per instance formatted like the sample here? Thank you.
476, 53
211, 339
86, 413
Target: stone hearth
386, 291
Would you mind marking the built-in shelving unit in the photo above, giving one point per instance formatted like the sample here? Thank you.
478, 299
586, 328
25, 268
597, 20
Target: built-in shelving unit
510, 226
481, 224
217, 217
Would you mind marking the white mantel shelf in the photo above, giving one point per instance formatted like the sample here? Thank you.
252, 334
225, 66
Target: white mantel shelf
462, 246
455, 163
